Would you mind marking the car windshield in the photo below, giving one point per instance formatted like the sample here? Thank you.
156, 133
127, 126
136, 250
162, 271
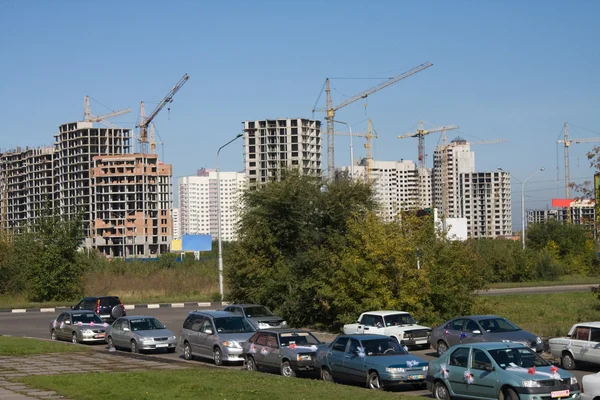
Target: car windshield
257, 311
233, 325
145, 324
86, 318
520, 357
382, 347
399, 319
498, 325
298, 338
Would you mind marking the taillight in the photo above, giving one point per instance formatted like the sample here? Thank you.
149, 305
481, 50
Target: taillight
123, 306
98, 307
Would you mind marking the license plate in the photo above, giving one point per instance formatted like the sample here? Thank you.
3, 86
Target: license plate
100, 335
421, 341
560, 393
415, 377
162, 345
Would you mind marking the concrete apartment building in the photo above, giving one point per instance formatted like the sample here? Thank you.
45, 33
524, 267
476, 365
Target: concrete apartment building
198, 210
273, 145
131, 203
580, 212
26, 185
485, 201
176, 224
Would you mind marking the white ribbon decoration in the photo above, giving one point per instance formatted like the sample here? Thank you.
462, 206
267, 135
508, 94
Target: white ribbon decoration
444, 371
568, 345
264, 351
361, 351
468, 377
526, 370
412, 363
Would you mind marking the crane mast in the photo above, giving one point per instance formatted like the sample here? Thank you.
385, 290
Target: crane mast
89, 117
330, 109
145, 121
368, 146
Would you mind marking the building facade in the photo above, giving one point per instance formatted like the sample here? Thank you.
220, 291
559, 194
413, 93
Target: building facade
274, 145
198, 203
176, 224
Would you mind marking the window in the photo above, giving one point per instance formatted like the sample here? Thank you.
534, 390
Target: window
272, 340
471, 326
582, 333
206, 326
456, 325
481, 360
262, 339
372, 320
354, 345
460, 357
595, 335
340, 344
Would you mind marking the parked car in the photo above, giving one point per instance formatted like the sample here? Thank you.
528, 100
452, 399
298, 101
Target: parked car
109, 308
260, 316
376, 361
140, 333
78, 327
290, 351
590, 387
481, 328
217, 335
582, 344
498, 370
399, 325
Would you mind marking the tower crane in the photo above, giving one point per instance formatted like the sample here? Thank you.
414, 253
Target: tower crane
330, 109
420, 134
145, 121
89, 117
368, 145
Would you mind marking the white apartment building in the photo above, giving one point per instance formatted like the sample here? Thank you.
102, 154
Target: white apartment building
485, 201
176, 224
273, 145
396, 185
198, 203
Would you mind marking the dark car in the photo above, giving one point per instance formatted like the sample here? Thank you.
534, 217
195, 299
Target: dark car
481, 328
289, 351
260, 316
109, 308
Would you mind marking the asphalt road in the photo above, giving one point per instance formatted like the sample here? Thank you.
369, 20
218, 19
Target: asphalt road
36, 325
537, 290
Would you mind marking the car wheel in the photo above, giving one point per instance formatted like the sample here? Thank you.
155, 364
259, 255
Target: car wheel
187, 351
286, 369
567, 361
218, 356
326, 374
53, 335
251, 364
373, 382
508, 394
134, 347
111, 343
74, 338
442, 347
171, 350
440, 391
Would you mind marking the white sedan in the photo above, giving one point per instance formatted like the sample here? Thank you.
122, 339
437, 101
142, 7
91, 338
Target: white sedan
590, 387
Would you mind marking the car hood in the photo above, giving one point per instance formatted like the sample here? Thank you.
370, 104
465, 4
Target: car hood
405, 328
154, 333
272, 318
238, 337
537, 374
514, 336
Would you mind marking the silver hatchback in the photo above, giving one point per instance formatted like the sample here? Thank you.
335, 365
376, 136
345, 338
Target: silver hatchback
216, 335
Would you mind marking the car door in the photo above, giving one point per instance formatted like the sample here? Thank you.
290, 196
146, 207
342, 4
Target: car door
581, 346
354, 365
66, 329
471, 332
458, 363
594, 351
120, 332
485, 381
260, 348
206, 337
335, 357
273, 356
60, 325
453, 331
193, 332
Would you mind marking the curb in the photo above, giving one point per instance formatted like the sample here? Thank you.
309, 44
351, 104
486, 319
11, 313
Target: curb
127, 307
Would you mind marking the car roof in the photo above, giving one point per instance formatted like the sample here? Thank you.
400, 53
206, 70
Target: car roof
101, 297
362, 336
78, 311
477, 317
245, 305
493, 345
593, 324
385, 312
280, 331
136, 317
216, 313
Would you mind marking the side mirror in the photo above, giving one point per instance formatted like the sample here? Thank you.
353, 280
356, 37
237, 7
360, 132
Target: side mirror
358, 321
208, 331
476, 332
489, 368
125, 329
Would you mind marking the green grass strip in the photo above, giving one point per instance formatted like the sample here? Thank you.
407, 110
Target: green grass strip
14, 346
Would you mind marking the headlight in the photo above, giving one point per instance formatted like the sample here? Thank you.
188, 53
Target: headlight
147, 339
303, 357
87, 331
172, 337
390, 369
573, 380
531, 384
284, 323
262, 325
425, 368
538, 340
232, 344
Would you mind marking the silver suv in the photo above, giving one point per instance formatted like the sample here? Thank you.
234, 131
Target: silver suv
217, 335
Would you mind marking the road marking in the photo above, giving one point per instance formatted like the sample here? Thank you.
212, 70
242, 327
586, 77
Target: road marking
19, 310
153, 305
203, 304
47, 309
177, 305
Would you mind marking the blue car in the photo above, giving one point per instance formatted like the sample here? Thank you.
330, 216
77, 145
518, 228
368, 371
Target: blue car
498, 370
376, 361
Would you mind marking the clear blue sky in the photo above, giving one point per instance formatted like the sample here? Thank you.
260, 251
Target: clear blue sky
514, 70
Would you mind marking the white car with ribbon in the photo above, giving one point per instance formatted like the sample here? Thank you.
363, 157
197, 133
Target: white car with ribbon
582, 344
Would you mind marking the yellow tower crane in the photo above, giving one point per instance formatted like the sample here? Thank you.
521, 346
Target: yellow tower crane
420, 134
89, 117
330, 109
368, 145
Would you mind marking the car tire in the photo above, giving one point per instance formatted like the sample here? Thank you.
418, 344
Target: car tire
134, 347
218, 356
74, 339
374, 382
111, 343
116, 312
287, 370
53, 335
508, 394
440, 391
187, 351
567, 361
442, 347
171, 350
326, 375
251, 364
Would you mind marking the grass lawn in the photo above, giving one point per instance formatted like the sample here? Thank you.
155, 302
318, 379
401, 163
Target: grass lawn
14, 346
198, 383
546, 315
563, 280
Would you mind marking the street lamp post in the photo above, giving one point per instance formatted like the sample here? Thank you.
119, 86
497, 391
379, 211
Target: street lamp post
523, 202
239, 135
351, 147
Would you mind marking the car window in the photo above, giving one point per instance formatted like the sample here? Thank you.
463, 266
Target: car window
189, 322
340, 344
382, 347
272, 340
197, 322
257, 311
582, 333
262, 339
399, 319
457, 324
481, 360
298, 338
253, 337
206, 326
86, 318
233, 325
145, 324
237, 310
595, 335
522, 357
61, 317
498, 325
460, 357
109, 301
471, 326
372, 320
354, 345
118, 324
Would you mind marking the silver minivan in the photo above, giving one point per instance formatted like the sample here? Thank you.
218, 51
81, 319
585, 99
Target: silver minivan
217, 335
